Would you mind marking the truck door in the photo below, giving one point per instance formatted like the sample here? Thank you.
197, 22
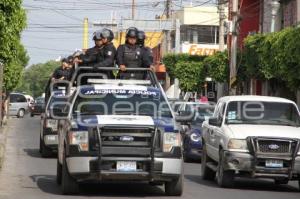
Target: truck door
215, 132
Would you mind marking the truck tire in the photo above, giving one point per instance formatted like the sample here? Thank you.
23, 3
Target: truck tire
175, 187
58, 173
21, 113
68, 184
207, 173
225, 178
45, 152
31, 115
281, 181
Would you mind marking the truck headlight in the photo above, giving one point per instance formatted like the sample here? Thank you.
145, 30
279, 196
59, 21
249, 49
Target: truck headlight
171, 140
237, 144
80, 138
195, 137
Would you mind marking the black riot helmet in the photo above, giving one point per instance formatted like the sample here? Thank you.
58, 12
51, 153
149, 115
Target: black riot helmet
131, 32
106, 33
141, 36
97, 35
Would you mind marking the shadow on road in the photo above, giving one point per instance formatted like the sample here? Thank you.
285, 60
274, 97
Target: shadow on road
246, 184
47, 183
35, 153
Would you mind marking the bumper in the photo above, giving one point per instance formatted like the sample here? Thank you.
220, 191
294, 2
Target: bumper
194, 154
51, 141
245, 162
165, 169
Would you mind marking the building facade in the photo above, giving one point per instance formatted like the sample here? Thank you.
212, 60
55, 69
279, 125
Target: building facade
199, 30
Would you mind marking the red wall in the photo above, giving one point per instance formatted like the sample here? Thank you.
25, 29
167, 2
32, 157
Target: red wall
250, 17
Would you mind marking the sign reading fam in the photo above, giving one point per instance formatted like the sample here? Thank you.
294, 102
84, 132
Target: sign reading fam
200, 49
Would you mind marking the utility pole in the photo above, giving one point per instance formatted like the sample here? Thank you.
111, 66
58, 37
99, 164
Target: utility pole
222, 17
233, 48
168, 14
133, 9
177, 36
221, 8
168, 8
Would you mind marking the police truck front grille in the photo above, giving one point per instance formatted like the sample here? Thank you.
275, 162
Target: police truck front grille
129, 142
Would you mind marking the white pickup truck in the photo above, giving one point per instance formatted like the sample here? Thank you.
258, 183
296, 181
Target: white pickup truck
252, 136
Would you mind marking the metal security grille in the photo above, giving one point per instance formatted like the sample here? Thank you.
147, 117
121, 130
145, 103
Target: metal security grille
274, 146
127, 142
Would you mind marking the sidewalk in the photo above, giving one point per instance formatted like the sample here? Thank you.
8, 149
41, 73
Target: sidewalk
3, 134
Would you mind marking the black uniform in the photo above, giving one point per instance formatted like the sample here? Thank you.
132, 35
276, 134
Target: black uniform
148, 56
60, 72
101, 57
132, 56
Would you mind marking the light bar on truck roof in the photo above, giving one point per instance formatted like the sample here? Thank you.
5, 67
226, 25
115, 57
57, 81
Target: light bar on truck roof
119, 81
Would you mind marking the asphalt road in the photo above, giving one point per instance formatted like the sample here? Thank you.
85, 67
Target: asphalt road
26, 175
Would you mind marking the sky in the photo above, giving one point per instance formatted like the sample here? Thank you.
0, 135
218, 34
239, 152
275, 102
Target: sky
55, 27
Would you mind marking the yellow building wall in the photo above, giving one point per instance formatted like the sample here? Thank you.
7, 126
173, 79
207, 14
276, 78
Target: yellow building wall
152, 39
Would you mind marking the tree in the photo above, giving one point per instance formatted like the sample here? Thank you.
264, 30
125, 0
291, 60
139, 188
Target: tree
217, 66
170, 61
35, 78
12, 52
191, 75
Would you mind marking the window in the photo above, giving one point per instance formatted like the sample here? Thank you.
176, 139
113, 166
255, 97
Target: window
16, 98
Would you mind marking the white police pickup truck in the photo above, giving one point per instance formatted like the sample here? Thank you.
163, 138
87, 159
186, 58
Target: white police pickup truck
119, 132
252, 136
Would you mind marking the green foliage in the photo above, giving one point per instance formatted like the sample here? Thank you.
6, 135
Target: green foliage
35, 78
12, 53
170, 61
217, 66
192, 75
274, 55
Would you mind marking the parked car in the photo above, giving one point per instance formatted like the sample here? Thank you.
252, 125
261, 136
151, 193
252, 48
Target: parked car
49, 125
18, 105
38, 106
191, 132
254, 137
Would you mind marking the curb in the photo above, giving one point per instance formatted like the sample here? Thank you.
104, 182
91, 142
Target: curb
3, 136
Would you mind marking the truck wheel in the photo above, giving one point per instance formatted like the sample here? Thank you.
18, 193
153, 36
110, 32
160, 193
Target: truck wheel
281, 181
21, 113
31, 115
45, 152
68, 184
175, 187
224, 178
58, 172
207, 173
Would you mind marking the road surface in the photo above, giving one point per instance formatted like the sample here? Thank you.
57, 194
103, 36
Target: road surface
26, 175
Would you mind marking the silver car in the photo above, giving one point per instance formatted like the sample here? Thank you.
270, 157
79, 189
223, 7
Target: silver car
18, 105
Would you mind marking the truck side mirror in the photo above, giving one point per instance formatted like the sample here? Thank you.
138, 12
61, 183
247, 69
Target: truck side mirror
214, 121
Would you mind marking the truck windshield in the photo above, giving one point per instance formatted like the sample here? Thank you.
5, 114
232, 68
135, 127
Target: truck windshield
122, 102
262, 113
202, 113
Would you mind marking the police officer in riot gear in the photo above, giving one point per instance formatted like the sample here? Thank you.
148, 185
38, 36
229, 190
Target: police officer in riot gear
105, 54
146, 51
130, 54
98, 43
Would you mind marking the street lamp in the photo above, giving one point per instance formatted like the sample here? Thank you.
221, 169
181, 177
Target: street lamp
275, 5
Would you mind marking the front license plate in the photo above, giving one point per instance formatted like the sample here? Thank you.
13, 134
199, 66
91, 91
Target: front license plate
126, 166
274, 163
